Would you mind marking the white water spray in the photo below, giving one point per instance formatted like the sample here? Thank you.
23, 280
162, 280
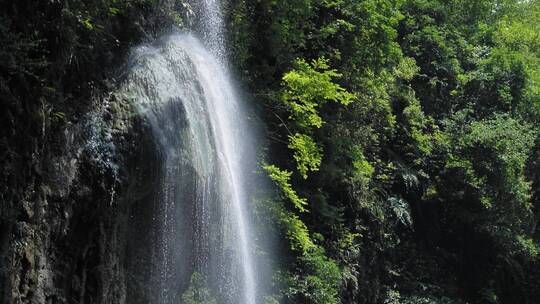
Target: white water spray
183, 90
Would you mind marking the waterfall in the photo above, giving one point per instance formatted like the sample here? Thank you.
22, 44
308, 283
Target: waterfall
211, 26
182, 88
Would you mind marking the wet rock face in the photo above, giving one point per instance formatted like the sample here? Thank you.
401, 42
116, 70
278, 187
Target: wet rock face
67, 159
63, 239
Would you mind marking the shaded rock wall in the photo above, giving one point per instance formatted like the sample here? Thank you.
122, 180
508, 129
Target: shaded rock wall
65, 240
70, 150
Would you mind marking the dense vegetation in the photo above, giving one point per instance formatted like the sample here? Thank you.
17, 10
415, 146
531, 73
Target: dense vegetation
403, 136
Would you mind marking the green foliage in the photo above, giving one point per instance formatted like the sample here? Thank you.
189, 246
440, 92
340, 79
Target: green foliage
406, 69
270, 300
401, 210
321, 283
363, 170
394, 297
282, 180
306, 153
517, 53
492, 154
441, 139
198, 292
484, 176
307, 88
58, 117
320, 278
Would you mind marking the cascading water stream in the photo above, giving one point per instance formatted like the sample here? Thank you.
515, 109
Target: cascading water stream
213, 31
228, 154
183, 90
211, 27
